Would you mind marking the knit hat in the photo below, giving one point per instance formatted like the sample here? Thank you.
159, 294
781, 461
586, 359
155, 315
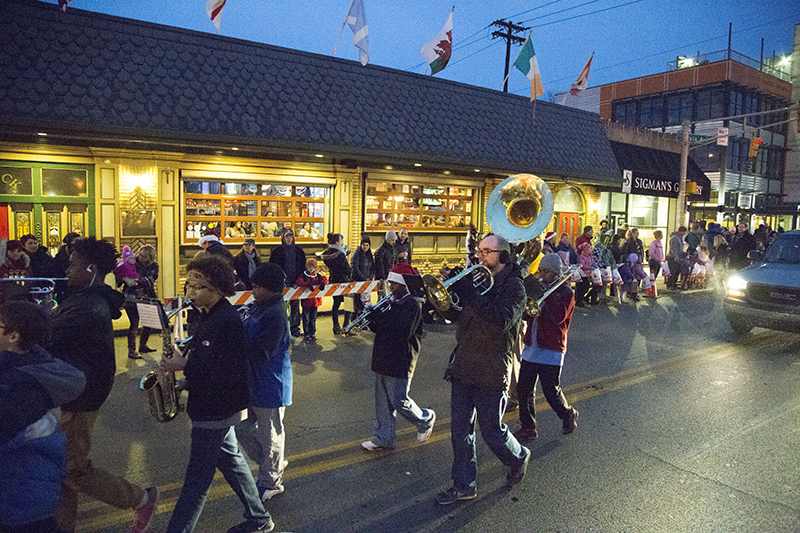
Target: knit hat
127, 254
398, 271
549, 235
551, 262
211, 237
633, 258
312, 261
270, 276
365, 238
390, 235
583, 246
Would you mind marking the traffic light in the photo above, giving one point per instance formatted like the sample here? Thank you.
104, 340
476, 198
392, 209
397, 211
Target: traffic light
755, 142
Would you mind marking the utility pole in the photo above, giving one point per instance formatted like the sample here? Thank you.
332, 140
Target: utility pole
681, 214
509, 36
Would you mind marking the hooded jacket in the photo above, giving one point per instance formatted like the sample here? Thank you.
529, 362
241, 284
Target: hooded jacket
267, 334
82, 335
338, 267
279, 256
384, 260
363, 265
488, 326
398, 332
675, 252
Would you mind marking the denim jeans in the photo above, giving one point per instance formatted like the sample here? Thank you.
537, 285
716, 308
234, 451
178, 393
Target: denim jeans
550, 376
294, 316
468, 404
310, 322
212, 449
337, 303
262, 437
391, 398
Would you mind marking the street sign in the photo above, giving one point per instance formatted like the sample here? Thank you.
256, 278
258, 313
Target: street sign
697, 138
722, 136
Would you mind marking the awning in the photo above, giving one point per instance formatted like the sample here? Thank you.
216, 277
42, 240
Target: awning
653, 172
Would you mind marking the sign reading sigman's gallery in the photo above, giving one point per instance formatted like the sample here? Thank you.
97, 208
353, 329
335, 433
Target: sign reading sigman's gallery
649, 185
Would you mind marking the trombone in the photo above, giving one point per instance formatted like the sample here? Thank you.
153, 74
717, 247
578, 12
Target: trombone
363, 320
443, 300
533, 307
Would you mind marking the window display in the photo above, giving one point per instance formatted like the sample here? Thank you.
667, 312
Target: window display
396, 205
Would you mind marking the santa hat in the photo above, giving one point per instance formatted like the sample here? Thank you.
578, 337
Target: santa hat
211, 237
398, 271
549, 235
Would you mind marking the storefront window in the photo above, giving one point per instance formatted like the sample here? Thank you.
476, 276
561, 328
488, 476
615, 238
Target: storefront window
395, 205
63, 182
231, 208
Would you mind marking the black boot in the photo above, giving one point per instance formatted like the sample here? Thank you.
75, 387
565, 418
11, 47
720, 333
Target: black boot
132, 353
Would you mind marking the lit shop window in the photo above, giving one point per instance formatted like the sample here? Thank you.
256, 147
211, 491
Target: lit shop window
260, 211
397, 205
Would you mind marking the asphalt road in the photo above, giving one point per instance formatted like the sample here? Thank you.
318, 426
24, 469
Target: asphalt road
681, 428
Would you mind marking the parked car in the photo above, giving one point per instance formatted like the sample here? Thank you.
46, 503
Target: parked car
767, 293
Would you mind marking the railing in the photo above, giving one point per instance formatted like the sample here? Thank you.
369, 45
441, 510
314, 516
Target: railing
721, 55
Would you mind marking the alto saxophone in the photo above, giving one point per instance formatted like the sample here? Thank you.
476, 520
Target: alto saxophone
161, 387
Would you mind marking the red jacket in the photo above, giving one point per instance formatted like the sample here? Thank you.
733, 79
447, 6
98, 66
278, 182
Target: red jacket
553, 321
309, 282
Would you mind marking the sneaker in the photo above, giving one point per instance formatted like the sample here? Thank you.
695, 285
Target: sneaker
571, 422
526, 434
134, 355
516, 473
249, 526
370, 446
143, 515
452, 495
265, 494
422, 436
146, 349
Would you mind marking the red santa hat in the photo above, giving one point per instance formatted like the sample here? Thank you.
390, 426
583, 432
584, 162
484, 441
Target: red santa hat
399, 270
549, 235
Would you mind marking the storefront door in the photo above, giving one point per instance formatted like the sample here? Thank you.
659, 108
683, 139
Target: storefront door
568, 223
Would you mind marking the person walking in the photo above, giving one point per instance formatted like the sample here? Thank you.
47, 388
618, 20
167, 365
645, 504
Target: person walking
266, 330
335, 257
82, 334
292, 259
479, 368
363, 265
246, 262
398, 333
309, 280
543, 355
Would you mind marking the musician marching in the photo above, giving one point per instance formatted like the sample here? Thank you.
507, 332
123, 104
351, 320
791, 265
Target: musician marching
545, 344
398, 332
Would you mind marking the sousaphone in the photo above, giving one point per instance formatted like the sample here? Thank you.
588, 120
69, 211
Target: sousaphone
520, 207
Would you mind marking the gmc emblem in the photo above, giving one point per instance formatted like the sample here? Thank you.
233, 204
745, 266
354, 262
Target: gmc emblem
783, 296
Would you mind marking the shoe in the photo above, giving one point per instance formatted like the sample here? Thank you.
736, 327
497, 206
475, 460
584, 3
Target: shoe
296, 333
313, 337
249, 526
337, 330
580, 304
307, 338
452, 495
516, 473
425, 435
370, 446
146, 349
134, 355
265, 494
526, 434
570, 423
143, 515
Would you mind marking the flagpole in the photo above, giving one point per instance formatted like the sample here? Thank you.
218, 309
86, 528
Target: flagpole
341, 30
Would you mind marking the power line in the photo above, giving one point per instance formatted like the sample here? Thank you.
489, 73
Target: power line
563, 10
586, 14
534, 9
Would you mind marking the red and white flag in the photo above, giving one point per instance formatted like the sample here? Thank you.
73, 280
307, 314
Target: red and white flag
214, 10
583, 79
64, 4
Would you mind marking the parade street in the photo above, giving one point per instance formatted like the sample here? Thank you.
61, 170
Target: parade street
682, 427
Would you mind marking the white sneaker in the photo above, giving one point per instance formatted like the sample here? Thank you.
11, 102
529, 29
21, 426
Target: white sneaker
370, 446
269, 493
425, 435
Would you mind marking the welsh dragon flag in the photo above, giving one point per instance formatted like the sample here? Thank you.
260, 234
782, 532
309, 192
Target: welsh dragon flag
437, 52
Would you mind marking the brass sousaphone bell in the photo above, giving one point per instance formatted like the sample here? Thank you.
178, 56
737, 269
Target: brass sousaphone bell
520, 208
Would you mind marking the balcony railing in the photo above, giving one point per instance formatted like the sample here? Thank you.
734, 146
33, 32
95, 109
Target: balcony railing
721, 55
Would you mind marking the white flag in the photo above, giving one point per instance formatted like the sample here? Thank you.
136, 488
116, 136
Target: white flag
583, 79
437, 52
357, 20
214, 10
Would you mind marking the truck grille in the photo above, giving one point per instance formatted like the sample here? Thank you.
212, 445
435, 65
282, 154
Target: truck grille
786, 298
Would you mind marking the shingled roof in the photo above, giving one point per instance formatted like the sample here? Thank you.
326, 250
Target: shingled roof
103, 76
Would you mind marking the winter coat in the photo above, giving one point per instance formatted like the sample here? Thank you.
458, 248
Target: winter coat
336, 261
20, 268
309, 282
675, 252
42, 264
217, 248
82, 334
266, 331
657, 251
292, 269
145, 283
552, 323
585, 260
241, 265
741, 245
363, 265
398, 332
488, 326
633, 246
403, 246
384, 260
694, 238
216, 368
573, 255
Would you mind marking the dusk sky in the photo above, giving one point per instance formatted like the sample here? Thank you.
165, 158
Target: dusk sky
630, 38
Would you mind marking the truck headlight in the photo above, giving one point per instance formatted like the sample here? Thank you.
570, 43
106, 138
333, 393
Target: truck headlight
737, 286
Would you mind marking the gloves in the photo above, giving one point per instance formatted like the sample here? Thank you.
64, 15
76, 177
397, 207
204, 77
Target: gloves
322, 286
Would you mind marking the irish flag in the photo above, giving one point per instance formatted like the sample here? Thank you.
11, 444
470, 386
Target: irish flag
526, 63
437, 52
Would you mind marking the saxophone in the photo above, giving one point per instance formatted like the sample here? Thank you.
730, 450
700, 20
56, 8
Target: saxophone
161, 387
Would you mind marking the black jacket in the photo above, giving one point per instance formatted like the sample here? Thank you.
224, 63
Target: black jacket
43, 265
398, 332
384, 260
241, 265
400, 247
82, 334
217, 248
363, 265
741, 245
216, 369
633, 246
338, 267
278, 256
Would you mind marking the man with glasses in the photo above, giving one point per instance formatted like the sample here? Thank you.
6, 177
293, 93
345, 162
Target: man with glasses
479, 370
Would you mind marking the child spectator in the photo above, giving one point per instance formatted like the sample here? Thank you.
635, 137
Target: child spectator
17, 263
309, 279
585, 289
656, 253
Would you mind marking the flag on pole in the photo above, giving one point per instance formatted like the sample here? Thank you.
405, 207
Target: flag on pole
437, 52
357, 20
64, 4
214, 10
527, 64
583, 78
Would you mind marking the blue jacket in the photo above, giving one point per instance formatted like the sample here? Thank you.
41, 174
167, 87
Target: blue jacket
266, 331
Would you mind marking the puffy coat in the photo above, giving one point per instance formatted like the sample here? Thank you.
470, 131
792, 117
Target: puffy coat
268, 339
338, 267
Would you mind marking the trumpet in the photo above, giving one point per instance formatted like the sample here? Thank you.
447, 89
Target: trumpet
161, 387
442, 299
533, 307
363, 320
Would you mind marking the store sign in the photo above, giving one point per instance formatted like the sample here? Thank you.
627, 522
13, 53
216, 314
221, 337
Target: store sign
649, 185
16, 180
627, 181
